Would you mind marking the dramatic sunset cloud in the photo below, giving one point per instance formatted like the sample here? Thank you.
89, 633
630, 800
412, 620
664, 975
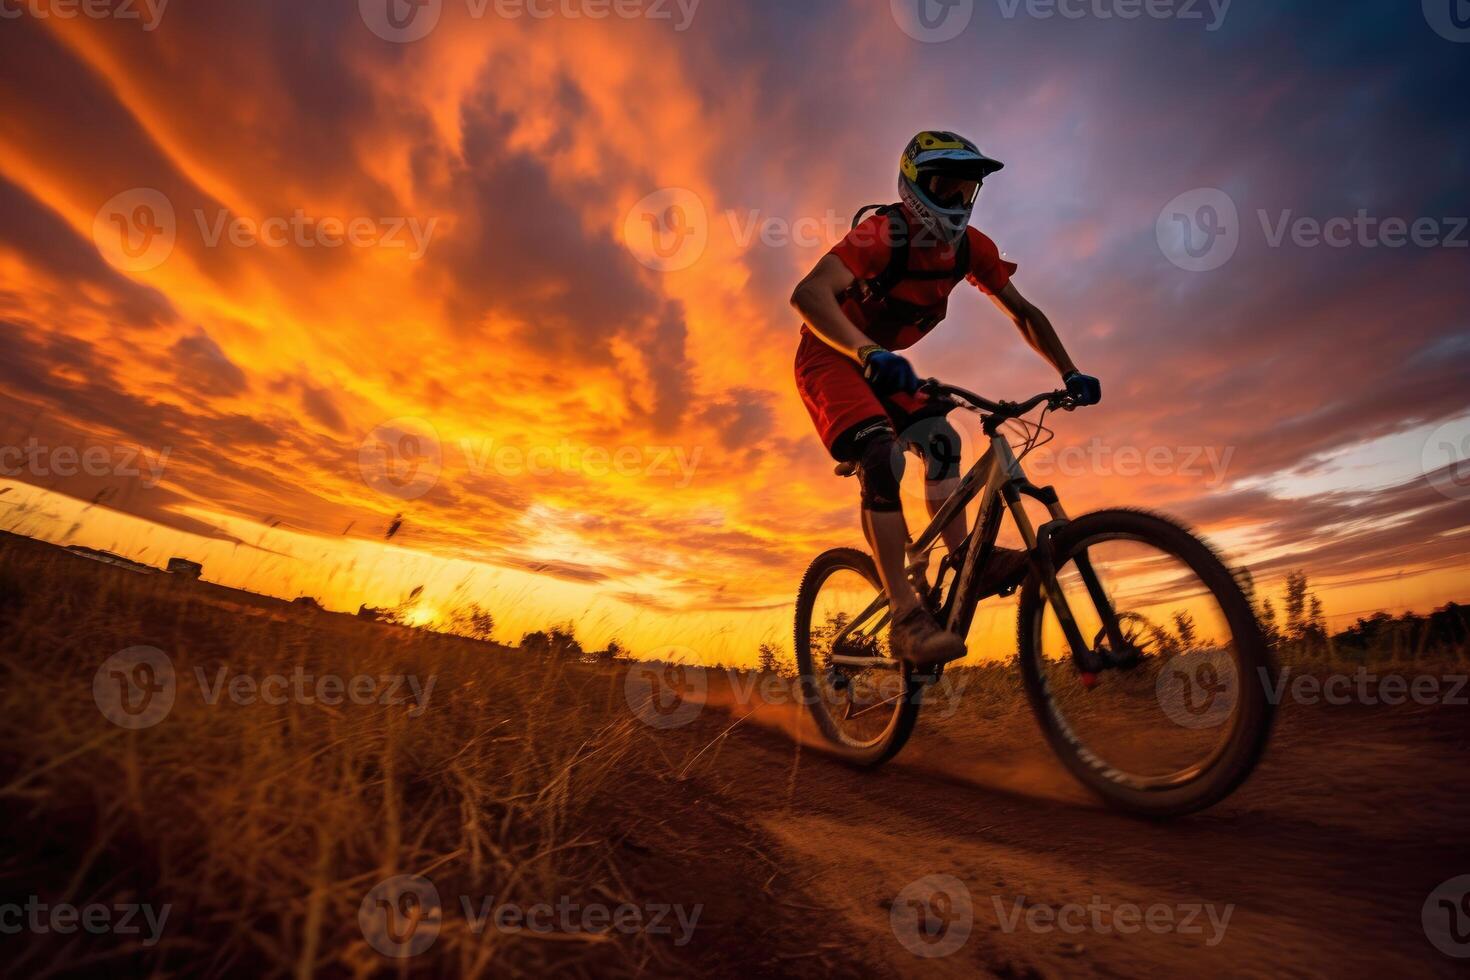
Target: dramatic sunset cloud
288, 276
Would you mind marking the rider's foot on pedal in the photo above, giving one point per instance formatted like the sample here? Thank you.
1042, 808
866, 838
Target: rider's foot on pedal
919, 640
1005, 570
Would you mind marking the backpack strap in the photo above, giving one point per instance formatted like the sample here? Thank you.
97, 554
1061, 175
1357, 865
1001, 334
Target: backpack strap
897, 268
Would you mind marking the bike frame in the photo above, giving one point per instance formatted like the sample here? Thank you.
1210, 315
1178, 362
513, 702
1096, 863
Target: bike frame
996, 477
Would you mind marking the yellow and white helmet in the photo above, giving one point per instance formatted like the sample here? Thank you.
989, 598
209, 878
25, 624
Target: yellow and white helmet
932, 164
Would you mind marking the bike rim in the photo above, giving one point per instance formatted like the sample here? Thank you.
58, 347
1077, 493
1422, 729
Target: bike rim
1156, 706
862, 711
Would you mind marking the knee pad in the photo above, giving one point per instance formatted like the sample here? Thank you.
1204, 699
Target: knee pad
939, 443
880, 470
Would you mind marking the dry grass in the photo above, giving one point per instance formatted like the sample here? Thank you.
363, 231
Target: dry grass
263, 826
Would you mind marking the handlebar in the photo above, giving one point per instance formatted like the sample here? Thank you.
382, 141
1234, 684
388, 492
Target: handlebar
995, 412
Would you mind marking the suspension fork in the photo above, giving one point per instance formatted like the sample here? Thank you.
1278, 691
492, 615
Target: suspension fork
1039, 543
1039, 549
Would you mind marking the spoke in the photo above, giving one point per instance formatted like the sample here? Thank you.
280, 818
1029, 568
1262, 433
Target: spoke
872, 707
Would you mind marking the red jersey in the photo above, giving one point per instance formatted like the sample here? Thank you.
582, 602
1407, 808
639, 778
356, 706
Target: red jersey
917, 304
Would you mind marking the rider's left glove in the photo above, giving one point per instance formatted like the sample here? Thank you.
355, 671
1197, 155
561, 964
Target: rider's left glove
1084, 388
888, 372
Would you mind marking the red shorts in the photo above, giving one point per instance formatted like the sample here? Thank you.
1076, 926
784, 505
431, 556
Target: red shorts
837, 396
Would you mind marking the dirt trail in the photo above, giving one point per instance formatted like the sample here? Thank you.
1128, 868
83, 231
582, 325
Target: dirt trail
1319, 866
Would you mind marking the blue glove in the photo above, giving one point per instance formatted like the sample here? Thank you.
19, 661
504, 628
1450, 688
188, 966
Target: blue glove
888, 373
1084, 388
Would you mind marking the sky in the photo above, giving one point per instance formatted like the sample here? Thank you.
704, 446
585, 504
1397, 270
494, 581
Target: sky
512, 277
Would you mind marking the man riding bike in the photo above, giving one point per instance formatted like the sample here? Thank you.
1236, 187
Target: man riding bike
880, 290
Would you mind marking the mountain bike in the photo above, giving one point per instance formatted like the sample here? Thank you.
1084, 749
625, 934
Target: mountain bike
1138, 650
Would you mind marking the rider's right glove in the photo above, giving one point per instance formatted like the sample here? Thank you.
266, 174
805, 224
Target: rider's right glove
1084, 388
889, 373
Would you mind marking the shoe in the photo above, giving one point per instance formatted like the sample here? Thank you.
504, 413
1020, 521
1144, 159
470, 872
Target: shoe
1005, 570
921, 642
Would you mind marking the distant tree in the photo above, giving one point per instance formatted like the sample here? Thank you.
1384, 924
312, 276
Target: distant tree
537, 643
1164, 642
563, 641
1184, 626
1296, 604
1268, 622
474, 622
769, 662
615, 650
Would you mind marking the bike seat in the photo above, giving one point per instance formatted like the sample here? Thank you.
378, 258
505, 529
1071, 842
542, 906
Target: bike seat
846, 469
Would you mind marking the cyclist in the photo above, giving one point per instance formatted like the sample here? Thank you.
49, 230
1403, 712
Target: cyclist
880, 290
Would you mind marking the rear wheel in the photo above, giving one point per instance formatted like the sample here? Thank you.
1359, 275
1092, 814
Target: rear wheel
1181, 715
865, 711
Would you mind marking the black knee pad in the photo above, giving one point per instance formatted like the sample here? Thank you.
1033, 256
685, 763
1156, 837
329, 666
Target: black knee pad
939, 443
880, 470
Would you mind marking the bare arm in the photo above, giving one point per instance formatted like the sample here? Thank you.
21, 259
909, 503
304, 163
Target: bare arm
1035, 327
816, 299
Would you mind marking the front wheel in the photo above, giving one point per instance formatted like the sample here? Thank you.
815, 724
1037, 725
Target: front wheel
864, 707
1181, 713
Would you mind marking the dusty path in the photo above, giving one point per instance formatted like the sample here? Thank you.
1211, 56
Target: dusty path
1320, 866
533, 779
